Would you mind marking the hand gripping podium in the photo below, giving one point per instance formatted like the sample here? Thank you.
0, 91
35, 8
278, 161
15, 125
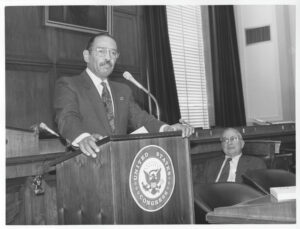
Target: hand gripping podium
135, 179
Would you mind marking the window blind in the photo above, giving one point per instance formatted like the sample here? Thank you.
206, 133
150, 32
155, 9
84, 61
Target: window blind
186, 41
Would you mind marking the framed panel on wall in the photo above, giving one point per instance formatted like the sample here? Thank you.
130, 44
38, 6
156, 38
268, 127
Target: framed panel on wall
89, 19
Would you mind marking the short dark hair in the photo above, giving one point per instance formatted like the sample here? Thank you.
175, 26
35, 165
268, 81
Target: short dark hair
91, 40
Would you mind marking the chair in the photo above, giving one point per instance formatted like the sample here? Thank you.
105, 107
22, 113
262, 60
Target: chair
265, 149
264, 179
210, 196
286, 159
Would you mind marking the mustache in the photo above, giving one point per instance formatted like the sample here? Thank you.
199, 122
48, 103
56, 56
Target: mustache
105, 63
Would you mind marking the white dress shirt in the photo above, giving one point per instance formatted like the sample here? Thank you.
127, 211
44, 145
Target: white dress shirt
97, 82
233, 167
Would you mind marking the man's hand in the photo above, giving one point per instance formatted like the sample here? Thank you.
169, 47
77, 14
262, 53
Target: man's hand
187, 130
88, 145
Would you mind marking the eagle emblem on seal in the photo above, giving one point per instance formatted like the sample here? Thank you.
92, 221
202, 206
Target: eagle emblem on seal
153, 181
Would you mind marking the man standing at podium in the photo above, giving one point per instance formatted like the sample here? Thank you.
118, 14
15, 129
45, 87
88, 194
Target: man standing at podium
89, 106
233, 164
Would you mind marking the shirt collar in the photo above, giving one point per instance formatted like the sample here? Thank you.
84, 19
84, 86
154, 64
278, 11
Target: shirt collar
235, 158
96, 80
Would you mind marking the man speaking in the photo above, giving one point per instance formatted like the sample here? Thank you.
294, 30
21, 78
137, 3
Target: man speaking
89, 106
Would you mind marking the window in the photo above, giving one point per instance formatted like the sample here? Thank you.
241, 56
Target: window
186, 41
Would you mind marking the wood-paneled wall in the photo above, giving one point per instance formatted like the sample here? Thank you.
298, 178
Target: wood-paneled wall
36, 55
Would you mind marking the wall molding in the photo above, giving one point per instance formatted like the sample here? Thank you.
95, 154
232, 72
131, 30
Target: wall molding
21, 63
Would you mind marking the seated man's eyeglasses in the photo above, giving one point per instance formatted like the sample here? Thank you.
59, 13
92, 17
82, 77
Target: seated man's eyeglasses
101, 51
231, 139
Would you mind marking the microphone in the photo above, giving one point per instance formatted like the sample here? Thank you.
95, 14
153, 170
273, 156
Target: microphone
129, 77
43, 126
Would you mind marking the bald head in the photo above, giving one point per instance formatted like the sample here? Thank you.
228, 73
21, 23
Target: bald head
231, 130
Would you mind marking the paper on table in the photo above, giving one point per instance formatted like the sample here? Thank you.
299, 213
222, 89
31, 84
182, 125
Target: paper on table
141, 130
284, 193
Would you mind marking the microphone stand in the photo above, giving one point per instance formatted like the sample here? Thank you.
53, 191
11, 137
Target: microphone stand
155, 101
149, 89
129, 77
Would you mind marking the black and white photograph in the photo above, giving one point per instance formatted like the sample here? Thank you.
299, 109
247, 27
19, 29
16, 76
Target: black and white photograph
154, 113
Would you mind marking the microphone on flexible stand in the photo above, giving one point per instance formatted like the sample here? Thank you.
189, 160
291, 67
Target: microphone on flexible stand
129, 77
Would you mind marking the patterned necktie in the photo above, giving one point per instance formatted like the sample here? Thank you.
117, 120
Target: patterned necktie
108, 105
225, 172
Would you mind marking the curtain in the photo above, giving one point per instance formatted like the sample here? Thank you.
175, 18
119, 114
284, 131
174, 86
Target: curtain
227, 82
161, 73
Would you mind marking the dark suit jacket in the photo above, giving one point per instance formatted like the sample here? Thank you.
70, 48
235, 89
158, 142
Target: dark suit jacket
213, 166
80, 109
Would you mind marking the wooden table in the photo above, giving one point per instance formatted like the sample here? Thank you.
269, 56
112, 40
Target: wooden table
264, 209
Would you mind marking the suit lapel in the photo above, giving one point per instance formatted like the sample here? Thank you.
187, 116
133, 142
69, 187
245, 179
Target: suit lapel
218, 166
243, 163
95, 100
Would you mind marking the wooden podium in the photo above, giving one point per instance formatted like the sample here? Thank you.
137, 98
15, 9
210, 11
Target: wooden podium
135, 179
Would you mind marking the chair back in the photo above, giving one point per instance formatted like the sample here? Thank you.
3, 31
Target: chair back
264, 179
265, 149
224, 194
213, 195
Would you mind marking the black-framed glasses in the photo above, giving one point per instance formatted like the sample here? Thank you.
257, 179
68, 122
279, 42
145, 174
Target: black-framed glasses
102, 51
233, 139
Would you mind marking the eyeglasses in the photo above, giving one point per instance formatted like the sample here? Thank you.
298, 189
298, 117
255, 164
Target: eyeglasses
101, 51
233, 139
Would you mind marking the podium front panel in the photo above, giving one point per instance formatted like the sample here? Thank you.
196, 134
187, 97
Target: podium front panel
178, 208
84, 189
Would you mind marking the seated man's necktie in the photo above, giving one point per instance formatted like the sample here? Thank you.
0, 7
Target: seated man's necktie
225, 172
106, 97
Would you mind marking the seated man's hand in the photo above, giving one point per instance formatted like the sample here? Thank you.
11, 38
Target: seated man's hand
187, 130
88, 145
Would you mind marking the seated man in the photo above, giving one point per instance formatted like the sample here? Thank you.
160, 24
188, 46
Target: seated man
234, 164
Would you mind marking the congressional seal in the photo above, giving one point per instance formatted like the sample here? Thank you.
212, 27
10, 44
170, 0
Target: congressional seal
152, 178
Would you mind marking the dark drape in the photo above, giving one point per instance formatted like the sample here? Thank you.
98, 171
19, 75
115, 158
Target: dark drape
228, 91
161, 73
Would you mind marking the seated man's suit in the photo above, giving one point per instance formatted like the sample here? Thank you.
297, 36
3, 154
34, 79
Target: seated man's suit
213, 166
